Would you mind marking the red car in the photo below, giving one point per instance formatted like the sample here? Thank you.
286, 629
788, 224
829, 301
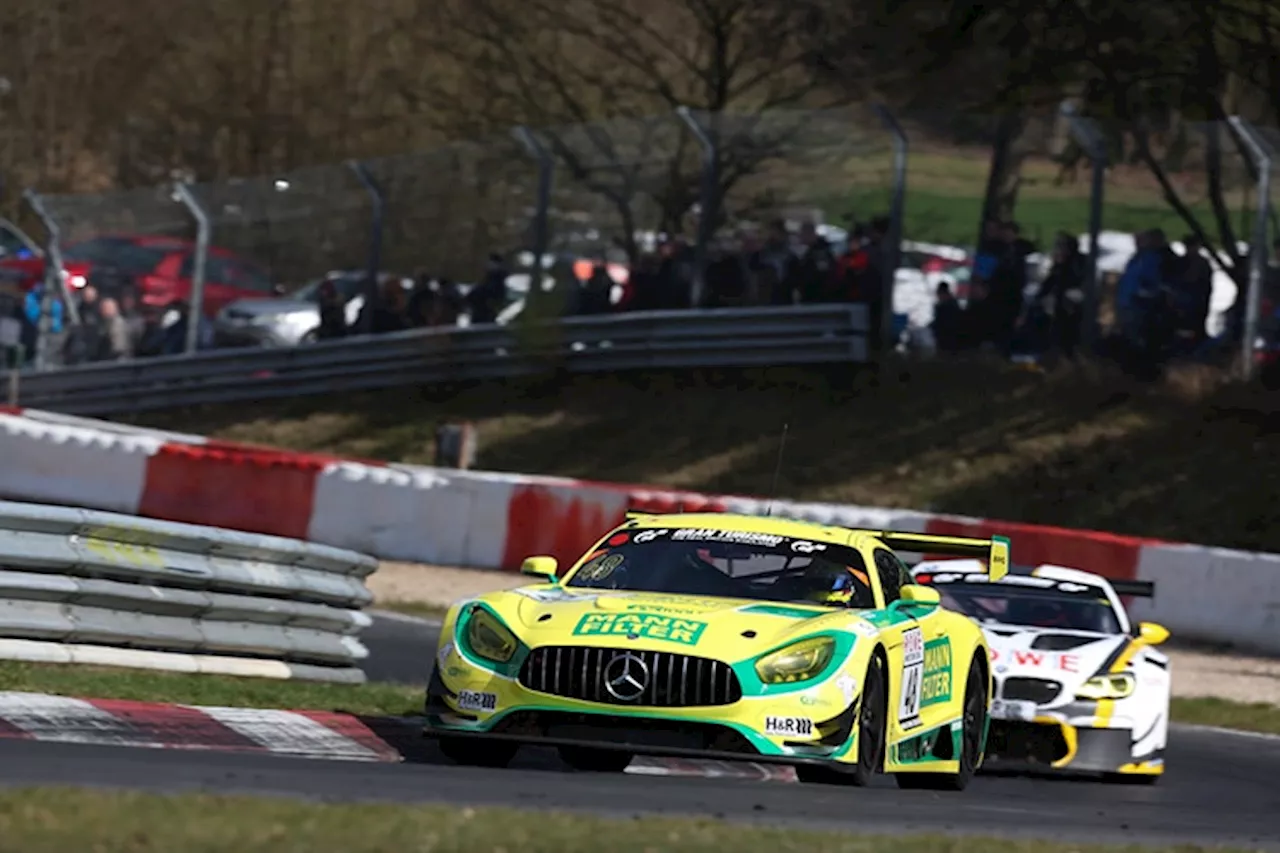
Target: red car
159, 268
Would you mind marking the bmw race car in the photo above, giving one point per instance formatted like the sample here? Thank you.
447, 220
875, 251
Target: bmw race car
1079, 687
728, 637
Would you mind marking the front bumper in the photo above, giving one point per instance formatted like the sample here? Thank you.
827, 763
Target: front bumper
708, 733
1052, 744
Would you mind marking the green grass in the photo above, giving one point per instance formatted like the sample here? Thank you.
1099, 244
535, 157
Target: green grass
1197, 461
946, 187
381, 700
1255, 717
56, 820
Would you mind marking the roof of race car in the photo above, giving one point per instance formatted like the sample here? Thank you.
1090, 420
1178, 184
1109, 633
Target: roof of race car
786, 527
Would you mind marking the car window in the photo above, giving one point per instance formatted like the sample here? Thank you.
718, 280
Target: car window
1012, 604
246, 277
118, 253
890, 578
728, 564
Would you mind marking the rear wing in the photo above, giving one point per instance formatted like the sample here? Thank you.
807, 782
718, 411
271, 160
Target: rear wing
1137, 589
995, 551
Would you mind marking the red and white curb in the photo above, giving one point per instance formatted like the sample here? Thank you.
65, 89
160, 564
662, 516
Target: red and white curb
306, 734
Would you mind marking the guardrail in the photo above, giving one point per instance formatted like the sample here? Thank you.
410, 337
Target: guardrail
83, 586
806, 334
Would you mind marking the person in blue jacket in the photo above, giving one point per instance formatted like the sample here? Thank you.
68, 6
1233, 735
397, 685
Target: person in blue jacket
1141, 295
31, 320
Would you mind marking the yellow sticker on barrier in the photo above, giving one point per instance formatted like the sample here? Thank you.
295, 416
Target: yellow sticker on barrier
123, 546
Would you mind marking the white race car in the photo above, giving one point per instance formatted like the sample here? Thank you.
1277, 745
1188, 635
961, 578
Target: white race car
1078, 687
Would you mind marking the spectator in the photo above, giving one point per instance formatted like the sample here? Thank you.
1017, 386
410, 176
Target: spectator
389, 310
1142, 309
1192, 294
174, 330
773, 264
727, 279
597, 291
676, 273
135, 323
115, 342
489, 297
812, 274
333, 313
646, 284
86, 342
948, 320
1060, 296
32, 311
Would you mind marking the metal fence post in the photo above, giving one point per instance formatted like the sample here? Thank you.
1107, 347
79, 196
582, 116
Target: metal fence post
706, 221
897, 212
1262, 154
377, 224
55, 281
1094, 144
200, 264
542, 211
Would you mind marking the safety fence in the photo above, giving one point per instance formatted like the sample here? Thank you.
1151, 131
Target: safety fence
493, 520
93, 587
818, 334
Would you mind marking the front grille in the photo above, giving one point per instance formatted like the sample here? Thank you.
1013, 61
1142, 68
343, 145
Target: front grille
1036, 690
673, 680
1029, 742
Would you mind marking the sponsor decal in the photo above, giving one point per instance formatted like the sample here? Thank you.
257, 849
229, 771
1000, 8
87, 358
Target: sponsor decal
456, 671
1009, 709
813, 697
599, 568
862, 629
649, 535
650, 626
1039, 660
659, 608
800, 546
936, 686
848, 687
736, 537
473, 700
912, 676
619, 539
783, 726
445, 651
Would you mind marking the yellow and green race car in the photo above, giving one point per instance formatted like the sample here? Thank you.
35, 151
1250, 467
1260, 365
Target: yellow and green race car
728, 637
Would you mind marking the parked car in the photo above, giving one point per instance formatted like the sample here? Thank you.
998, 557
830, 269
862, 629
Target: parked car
159, 269
15, 243
293, 319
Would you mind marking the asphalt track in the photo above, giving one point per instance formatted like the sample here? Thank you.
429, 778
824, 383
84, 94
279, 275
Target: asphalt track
1220, 788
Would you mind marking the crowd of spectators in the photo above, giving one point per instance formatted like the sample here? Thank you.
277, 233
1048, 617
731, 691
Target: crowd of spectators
1160, 305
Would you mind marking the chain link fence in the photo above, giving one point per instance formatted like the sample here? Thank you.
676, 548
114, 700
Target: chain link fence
615, 187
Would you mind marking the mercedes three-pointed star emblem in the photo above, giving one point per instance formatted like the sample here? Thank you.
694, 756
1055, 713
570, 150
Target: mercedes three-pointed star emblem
626, 677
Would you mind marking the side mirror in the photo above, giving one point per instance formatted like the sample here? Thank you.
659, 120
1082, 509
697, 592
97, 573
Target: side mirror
541, 567
914, 593
1153, 633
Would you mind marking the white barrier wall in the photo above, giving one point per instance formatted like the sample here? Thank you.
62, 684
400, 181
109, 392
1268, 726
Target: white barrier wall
491, 520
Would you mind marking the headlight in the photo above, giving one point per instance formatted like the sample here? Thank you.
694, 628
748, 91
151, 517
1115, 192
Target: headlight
489, 638
1118, 686
798, 662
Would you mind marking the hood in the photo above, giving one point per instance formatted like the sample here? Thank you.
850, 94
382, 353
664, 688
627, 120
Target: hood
245, 308
723, 628
1069, 657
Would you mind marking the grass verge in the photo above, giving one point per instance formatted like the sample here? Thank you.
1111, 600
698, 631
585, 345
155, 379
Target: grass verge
56, 820
1197, 460
1249, 717
390, 700
394, 700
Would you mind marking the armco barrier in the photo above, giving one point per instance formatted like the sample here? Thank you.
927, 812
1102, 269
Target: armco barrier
88, 586
490, 520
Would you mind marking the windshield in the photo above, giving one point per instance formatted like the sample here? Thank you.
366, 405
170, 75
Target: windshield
728, 564
1085, 610
120, 253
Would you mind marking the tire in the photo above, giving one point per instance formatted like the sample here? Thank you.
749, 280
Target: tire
873, 718
973, 719
585, 759
474, 752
